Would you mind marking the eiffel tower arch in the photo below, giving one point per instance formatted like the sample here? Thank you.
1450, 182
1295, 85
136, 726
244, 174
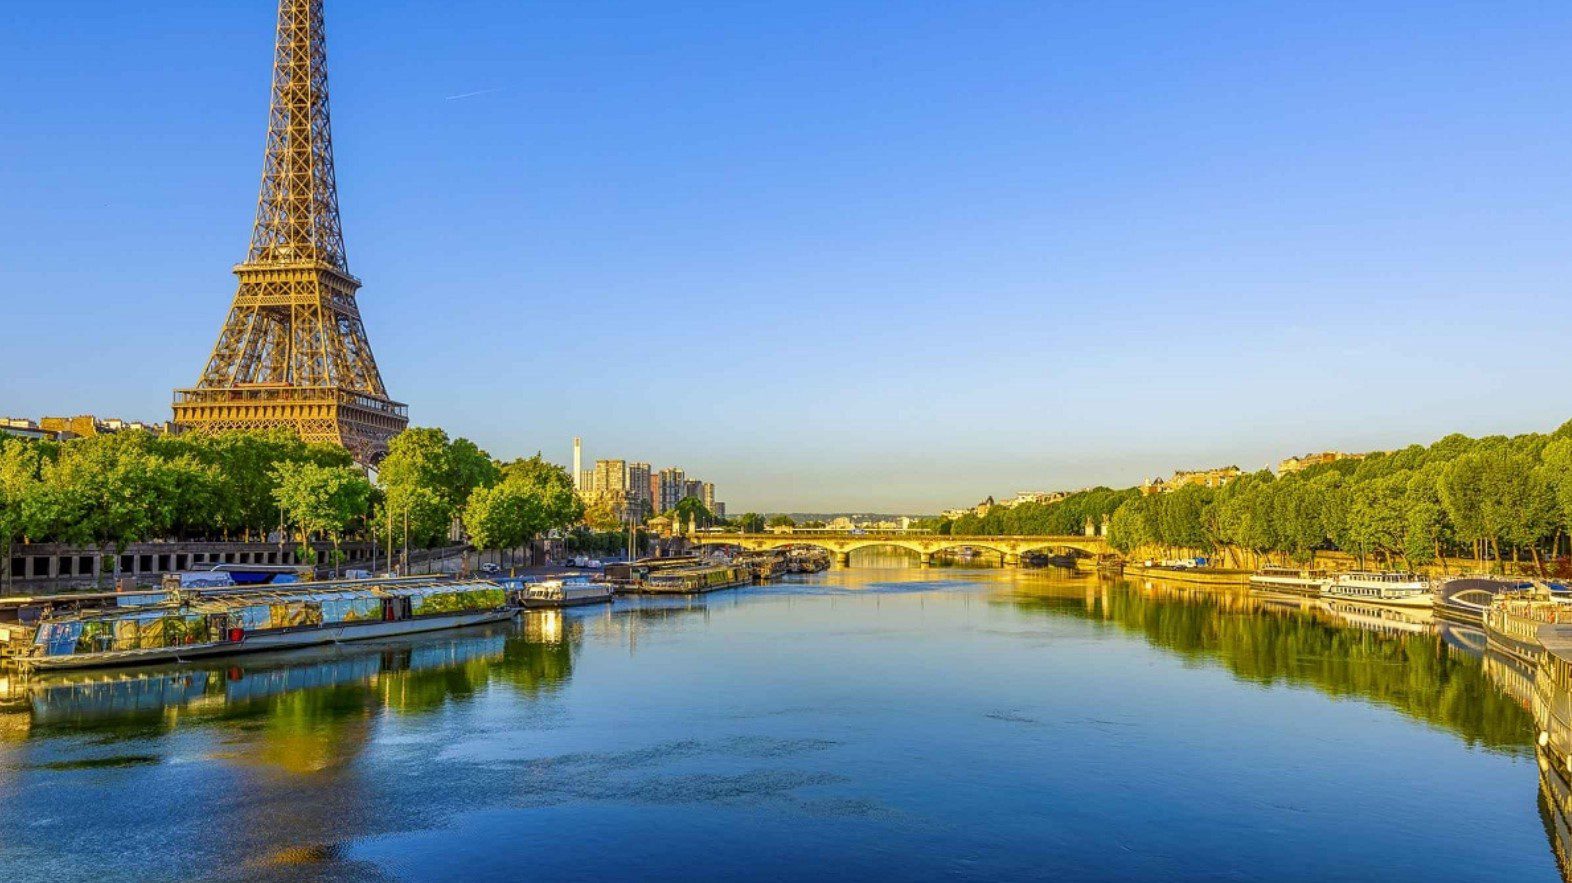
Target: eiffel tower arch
293, 351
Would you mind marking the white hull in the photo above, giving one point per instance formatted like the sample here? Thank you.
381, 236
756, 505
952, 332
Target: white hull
255, 643
578, 601
1296, 582
1416, 599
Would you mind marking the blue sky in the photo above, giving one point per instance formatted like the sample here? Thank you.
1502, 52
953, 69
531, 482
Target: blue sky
849, 255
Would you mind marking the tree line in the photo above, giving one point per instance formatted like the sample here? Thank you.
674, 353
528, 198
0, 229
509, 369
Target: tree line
110, 491
1491, 499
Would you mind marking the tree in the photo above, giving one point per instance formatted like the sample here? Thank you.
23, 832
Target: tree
321, 500
104, 491
781, 521
428, 478
531, 497
20, 465
750, 522
691, 510
560, 506
503, 516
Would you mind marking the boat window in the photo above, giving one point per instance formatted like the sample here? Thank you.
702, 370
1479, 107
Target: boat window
58, 638
252, 618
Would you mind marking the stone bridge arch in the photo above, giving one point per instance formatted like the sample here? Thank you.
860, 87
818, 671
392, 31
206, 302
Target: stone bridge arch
842, 543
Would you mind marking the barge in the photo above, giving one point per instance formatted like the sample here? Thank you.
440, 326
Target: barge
1293, 580
222, 622
554, 593
697, 580
1515, 619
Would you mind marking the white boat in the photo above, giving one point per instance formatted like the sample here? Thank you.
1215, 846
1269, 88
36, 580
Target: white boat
564, 593
1395, 589
1290, 579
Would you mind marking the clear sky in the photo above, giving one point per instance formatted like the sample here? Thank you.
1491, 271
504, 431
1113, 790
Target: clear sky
833, 255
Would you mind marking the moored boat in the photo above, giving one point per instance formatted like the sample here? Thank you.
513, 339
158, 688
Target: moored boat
1515, 618
1296, 580
1467, 598
1380, 587
563, 593
191, 625
695, 580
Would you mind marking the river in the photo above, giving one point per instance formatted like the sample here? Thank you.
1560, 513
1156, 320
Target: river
880, 722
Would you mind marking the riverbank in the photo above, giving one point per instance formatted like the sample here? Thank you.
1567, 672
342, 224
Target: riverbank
1211, 576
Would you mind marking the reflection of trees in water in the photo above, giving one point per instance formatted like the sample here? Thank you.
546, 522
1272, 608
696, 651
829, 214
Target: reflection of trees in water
1414, 674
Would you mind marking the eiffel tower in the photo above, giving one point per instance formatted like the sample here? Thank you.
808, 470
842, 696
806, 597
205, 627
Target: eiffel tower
293, 351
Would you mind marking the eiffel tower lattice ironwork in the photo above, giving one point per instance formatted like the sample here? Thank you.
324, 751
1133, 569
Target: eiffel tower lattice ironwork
293, 351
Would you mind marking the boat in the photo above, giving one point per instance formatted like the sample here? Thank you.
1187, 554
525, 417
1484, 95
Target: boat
764, 565
1467, 598
563, 593
808, 559
222, 622
1515, 618
695, 580
1295, 580
1380, 587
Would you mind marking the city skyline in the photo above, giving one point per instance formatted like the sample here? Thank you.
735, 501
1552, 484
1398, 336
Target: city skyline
1095, 246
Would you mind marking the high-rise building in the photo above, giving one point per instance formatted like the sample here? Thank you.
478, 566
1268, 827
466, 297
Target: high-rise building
669, 488
693, 488
611, 477
707, 494
639, 498
578, 464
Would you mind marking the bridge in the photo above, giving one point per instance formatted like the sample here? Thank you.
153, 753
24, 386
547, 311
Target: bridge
842, 543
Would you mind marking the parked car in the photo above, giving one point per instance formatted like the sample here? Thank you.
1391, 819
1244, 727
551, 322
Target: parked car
489, 567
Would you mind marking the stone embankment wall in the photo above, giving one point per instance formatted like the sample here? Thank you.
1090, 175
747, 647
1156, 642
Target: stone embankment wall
54, 567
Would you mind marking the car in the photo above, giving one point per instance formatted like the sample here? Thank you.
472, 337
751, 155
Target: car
489, 567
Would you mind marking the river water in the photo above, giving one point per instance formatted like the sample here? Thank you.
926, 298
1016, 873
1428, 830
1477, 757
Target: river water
880, 722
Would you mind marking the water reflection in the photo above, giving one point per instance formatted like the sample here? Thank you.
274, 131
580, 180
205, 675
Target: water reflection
297, 691
1555, 808
1342, 650
318, 750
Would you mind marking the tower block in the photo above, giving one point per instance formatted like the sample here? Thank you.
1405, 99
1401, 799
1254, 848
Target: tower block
293, 351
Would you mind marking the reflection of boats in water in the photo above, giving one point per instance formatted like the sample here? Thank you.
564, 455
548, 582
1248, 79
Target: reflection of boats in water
1380, 618
1555, 808
1552, 708
1513, 676
1379, 587
77, 697
1466, 638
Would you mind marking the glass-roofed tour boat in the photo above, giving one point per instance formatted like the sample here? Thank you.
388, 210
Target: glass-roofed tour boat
189, 624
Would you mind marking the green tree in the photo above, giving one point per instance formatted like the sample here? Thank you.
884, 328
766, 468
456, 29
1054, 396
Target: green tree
503, 516
322, 500
427, 479
750, 522
691, 510
20, 465
781, 521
